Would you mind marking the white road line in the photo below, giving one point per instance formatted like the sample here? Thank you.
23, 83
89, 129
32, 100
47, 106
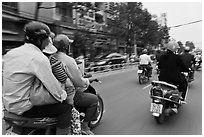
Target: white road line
146, 86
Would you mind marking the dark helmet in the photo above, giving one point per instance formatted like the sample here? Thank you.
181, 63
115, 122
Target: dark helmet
36, 30
144, 51
62, 42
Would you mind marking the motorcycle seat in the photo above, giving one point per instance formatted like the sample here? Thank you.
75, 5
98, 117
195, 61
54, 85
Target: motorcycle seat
164, 83
37, 122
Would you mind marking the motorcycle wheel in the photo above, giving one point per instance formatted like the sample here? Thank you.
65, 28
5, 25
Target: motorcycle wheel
161, 118
140, 79
100, 109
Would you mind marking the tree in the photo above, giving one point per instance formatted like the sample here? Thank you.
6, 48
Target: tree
135, 24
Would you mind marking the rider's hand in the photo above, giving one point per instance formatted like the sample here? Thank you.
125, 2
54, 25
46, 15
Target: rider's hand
70, 99
93, 79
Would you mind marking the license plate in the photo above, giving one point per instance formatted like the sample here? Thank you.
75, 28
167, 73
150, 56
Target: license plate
139, 71
156, 108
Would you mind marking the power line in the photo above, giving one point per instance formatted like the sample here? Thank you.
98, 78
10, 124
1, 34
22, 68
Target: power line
185, 24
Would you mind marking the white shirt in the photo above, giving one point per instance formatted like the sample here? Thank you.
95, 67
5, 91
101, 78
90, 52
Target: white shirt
145, 59
21, 66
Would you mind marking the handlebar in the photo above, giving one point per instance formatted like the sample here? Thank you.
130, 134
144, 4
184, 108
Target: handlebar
94, 80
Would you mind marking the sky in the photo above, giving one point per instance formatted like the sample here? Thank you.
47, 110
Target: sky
180, 13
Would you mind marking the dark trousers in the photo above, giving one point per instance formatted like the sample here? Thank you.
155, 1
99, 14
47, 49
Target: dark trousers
183, 84
88, 101
62, 111
148, 67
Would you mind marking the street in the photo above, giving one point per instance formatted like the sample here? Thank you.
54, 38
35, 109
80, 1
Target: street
127, 105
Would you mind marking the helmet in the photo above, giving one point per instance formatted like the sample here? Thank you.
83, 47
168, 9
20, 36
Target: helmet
35, 30
62, 42
144, 51
187, 49
172, 46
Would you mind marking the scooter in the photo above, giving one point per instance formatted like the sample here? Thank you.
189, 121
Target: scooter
20, 125
142, 74
164, 98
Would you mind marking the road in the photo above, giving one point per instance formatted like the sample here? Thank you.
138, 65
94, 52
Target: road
127, 105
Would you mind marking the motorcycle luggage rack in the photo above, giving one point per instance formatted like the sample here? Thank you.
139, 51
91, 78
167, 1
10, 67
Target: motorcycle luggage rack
154, 83
163, 98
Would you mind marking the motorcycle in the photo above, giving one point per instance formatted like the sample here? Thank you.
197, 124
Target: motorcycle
157, 69
190, 75
20, 125
164, 98
142, 74
198, 64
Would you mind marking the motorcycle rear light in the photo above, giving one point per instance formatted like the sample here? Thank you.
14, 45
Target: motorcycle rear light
157, 100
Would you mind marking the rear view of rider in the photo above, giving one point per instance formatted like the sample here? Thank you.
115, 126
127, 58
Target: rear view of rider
171, 66
189, 60
81, 99
26, 71
145, 61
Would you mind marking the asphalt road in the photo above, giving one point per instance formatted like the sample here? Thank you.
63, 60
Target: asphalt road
127, 105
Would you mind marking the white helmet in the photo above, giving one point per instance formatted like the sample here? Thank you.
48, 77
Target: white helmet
172, 46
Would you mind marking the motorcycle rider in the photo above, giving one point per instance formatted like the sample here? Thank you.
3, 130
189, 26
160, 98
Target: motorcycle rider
81, 99
58, 69
171, 66
189, 61
145, 61
198, 58
22, 67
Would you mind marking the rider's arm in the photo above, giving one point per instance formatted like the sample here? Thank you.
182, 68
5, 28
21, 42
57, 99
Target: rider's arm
149, 60
75, 75
42, 70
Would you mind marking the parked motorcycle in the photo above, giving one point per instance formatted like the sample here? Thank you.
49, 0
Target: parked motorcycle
142, 74
20, 125
165, 97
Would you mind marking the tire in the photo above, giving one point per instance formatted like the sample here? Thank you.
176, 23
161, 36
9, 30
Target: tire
100, 108
141, 80
160, 119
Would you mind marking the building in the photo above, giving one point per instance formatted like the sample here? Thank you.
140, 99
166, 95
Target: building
162, 20
62, 17
16, 14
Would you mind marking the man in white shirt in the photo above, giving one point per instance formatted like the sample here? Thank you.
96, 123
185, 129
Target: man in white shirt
145, 61
27, 70
81, 99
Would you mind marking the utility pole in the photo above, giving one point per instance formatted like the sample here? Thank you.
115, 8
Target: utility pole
37, 10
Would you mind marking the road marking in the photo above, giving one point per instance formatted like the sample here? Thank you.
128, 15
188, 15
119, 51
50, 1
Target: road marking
146, 86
